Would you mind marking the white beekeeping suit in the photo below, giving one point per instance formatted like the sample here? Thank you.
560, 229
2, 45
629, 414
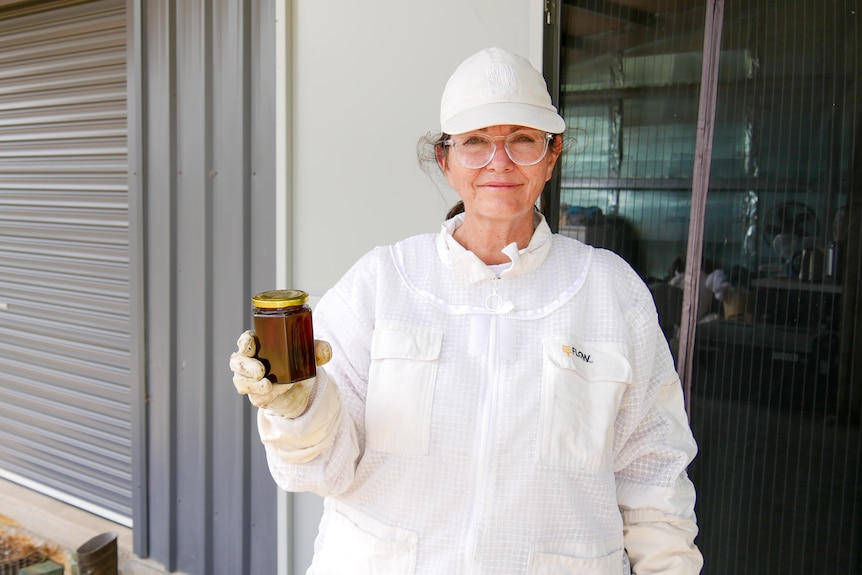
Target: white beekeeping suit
500, 400
469, 423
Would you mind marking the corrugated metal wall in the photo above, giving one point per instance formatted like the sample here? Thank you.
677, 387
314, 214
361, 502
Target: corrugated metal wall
137, 216
203, 143
64, 290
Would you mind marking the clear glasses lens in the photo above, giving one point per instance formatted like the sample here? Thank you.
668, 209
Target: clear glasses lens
524, 147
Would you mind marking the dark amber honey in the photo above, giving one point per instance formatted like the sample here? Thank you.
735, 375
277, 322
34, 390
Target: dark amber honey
282, 322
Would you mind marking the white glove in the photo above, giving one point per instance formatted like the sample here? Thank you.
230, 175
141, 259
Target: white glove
285, 399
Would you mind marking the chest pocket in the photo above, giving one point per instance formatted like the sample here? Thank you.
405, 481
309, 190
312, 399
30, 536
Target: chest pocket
582, 387
401, 381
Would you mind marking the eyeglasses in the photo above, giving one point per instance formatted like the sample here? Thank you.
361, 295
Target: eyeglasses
476, 150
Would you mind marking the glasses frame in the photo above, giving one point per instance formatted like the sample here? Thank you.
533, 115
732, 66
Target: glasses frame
450, 142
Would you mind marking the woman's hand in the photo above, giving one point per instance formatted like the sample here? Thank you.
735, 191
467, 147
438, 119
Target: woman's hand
249, 378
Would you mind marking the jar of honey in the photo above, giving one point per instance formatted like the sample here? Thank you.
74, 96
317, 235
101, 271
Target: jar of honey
282, 322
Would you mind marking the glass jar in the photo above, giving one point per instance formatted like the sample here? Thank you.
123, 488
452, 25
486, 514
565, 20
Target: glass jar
282, 322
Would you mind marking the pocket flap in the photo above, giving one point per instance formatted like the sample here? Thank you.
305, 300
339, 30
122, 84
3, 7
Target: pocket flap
549, 564
405, 341
593, 361
352, 542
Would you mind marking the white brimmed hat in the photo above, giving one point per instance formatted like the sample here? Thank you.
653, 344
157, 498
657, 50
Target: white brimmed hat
495, 87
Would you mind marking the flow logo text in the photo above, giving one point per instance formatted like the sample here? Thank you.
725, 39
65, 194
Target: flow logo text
572, 351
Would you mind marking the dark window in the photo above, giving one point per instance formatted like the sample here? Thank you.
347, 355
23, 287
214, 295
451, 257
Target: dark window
755, 179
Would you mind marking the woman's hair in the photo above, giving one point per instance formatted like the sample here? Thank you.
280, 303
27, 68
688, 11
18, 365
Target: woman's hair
455, 210
426, 152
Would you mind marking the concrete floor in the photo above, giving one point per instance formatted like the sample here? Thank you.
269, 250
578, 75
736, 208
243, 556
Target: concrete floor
779, 486
48, 521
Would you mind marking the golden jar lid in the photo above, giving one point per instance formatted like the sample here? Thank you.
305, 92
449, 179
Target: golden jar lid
279, 298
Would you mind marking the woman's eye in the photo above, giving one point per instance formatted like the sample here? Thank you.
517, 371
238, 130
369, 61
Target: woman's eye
522, 138
473, 141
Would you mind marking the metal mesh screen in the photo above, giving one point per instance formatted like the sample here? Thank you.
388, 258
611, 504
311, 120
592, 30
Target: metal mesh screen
775, 386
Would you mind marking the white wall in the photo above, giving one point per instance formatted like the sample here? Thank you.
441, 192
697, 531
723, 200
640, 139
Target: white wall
367, 80
362, 82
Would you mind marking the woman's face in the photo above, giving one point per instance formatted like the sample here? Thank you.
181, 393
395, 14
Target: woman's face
501, 190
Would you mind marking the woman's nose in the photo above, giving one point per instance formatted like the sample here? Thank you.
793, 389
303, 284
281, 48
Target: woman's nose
501, 156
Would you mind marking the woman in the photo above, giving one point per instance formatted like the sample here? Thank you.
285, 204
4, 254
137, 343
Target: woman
500, 399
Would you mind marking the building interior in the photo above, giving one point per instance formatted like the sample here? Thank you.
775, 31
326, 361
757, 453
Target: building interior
731, 131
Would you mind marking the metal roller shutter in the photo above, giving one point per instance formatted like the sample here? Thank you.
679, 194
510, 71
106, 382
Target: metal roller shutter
64, 274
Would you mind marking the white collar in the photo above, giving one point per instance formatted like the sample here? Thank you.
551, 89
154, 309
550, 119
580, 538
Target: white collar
469, 269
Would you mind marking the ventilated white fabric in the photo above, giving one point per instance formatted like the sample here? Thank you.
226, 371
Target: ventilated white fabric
512, 425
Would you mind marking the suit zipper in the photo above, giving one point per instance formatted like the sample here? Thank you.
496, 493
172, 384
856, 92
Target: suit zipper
484, 445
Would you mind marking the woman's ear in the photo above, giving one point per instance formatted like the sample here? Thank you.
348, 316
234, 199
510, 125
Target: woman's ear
556, 146
554, 151
442, 158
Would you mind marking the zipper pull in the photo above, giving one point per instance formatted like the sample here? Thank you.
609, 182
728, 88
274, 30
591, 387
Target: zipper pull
495, 302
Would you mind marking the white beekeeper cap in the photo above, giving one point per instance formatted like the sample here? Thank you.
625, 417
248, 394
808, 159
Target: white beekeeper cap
495, 87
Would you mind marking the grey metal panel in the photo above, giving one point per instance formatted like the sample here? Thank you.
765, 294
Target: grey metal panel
259, 222
158, 177
206, 99
244, 500
137, 276
193, 288
64, 337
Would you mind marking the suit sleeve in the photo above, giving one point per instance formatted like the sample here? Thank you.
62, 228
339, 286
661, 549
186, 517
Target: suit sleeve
654, 446
319, 451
